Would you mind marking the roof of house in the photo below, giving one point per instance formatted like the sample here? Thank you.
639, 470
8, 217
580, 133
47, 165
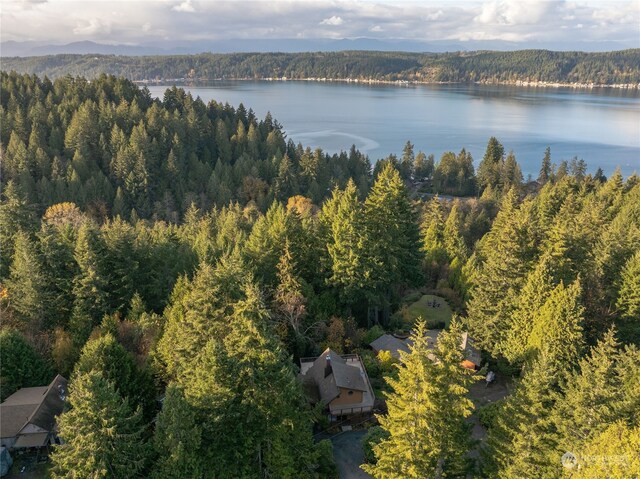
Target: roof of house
387, 342
13, 418
330, 373
470, 351
38, 406
390, 343
26, 396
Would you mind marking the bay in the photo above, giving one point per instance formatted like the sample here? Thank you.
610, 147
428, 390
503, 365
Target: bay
601, 126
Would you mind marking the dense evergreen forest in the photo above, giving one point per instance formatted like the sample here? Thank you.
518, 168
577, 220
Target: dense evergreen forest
606, 68
174, 259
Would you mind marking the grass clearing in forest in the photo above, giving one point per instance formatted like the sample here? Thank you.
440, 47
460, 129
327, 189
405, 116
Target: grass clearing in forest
434, 309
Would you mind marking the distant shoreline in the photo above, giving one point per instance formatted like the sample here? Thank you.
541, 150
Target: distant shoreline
372, 81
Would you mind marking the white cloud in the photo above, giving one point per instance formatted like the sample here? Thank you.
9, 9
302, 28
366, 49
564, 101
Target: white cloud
184, 7
155, 22
334, 21
514, 12
93, 27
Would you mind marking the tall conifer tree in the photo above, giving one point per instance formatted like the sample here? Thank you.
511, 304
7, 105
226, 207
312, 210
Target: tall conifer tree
103, 436
428, 436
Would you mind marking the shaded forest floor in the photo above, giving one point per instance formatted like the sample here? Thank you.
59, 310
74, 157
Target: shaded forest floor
32, 469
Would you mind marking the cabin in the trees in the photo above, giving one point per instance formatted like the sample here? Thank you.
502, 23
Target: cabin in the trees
394, 344
28, 416
339, 381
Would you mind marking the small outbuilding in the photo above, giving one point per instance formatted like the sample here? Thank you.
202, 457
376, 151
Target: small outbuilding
28, 416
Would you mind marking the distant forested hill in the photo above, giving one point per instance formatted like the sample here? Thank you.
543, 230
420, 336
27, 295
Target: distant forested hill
619, 67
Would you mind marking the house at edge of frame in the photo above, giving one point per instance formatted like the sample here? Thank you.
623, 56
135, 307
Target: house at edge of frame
28, 416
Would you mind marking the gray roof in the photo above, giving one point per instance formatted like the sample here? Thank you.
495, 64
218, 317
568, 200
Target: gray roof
387, 342
38, 406
52, 405
26, 396
330, 373
13, 417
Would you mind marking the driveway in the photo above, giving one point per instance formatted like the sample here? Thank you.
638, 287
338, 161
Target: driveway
481, 395
347, 450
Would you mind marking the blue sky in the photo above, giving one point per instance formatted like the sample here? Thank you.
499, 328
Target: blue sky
524, 22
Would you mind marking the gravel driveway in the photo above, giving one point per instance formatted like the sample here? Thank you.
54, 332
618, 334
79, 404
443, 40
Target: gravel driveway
347, 450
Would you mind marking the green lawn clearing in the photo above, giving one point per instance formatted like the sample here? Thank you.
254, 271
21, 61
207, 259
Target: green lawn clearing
432, 308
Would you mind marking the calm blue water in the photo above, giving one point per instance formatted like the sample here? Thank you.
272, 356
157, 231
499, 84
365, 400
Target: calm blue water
600, 126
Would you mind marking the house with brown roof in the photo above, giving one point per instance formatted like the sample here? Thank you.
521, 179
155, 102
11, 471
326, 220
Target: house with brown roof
394, 344
339, 381
28, 416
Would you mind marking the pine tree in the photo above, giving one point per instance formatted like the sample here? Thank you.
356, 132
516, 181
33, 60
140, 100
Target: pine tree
253, 418
453, 239
503, 258
557, 326
531, 298
629, 294
107, 356
433, 240
82, 135
605, 390
522, 442
265, 244
198, 312
20, 365
17, 160
566, 242
423, 167
121, 260
393, 248
612, 454
407, 161
90, 286
428, 436
16, 214
511, 173
27, 284
285, 184
490, 168
620, 241
289, 301
545, 168
178, 438
102, 436
120, 208
343, 216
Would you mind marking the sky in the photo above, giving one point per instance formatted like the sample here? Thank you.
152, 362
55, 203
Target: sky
145, 22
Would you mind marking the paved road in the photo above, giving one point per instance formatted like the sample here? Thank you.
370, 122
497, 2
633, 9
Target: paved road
347, 450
